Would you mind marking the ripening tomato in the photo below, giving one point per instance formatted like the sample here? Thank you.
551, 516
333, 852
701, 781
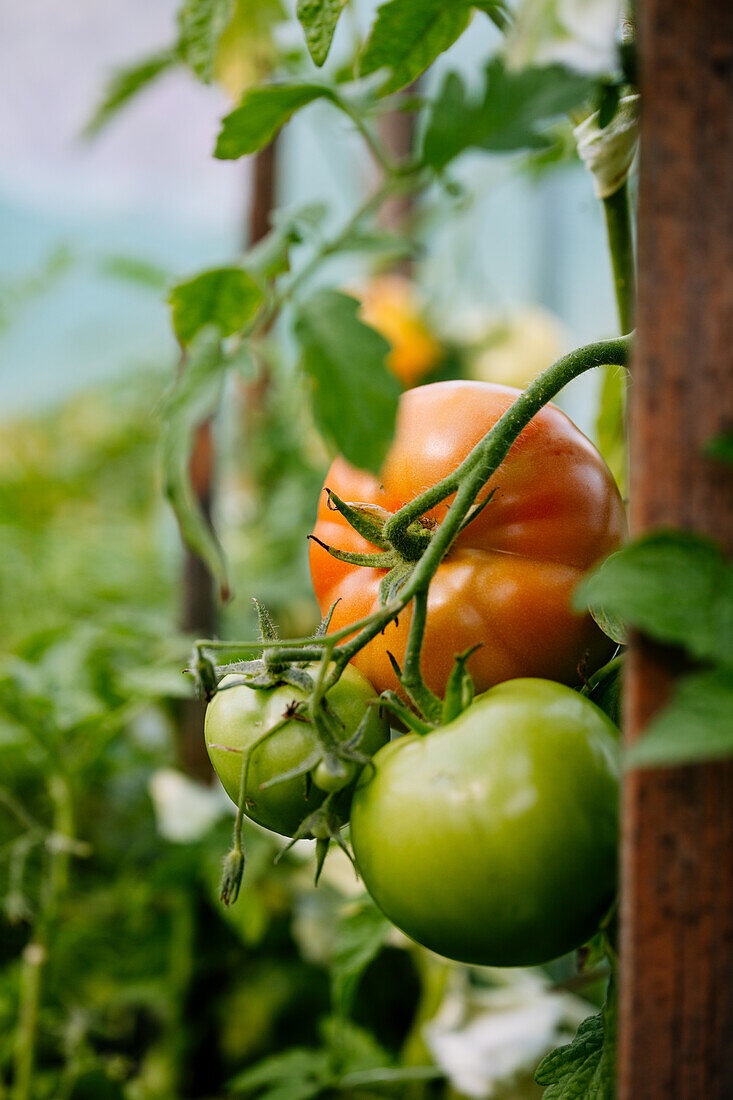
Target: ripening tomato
390, 305
506, 582
492, 840
238, 716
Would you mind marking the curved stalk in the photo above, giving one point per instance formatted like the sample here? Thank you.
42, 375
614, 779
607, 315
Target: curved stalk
466, 482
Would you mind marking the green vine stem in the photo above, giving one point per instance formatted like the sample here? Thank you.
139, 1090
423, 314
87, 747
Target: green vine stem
466, 482
54, 884
621, 244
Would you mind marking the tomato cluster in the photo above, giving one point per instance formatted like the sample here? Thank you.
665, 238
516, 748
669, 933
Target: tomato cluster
506, 584
491, 839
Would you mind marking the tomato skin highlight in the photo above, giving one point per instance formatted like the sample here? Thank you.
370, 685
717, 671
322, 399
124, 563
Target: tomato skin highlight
237, 716
509, 576
492, 840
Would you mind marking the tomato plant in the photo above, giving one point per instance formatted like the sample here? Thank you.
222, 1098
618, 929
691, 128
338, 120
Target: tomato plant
554, 510
492, 840
265, 734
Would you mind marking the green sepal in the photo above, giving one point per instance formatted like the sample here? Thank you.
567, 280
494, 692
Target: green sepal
375, 561
364, 518
392, 702
392, 582
476, 511
322, 629
268, 630
231, 876
459, 690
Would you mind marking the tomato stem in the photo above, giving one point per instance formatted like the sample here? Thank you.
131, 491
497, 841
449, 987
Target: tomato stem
621, 246
466, 482
424, 699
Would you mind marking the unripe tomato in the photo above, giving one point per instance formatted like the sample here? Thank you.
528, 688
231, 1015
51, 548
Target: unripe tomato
493, 839
238, 716
507, 580
390, 305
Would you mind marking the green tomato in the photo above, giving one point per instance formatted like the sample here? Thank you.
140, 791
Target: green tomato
238, 716
492, 840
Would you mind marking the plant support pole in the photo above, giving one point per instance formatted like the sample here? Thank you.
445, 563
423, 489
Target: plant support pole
676, 948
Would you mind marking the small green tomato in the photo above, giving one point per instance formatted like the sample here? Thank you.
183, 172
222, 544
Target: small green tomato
237, 718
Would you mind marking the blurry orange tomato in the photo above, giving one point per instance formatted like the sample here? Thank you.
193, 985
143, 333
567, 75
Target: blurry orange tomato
390, 305
507, 581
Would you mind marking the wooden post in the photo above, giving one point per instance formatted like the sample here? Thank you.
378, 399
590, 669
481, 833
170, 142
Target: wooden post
676, 1008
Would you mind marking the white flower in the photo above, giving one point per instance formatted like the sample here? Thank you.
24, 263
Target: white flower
185, 809
481, 1037
578, 33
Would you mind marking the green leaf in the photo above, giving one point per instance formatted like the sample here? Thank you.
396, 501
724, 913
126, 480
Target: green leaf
675, 586
585, 1067
611, 625
125, 84
356, 1048
695, 726
192, 399
359, 939
201, 24
261, 114
498, 12
510, 115
226, 297
134, 270
318, 19
354, 395
292, 1067
391, 1075
408, 35
721, 447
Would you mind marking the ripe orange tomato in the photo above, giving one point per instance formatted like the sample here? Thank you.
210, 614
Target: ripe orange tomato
506, 582
390, 305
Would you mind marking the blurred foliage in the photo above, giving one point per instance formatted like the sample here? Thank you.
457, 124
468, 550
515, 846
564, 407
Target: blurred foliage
121, 975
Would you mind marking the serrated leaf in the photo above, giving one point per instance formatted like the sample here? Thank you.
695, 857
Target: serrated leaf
201, 24
261, 114
359, 939
226, 297
354, 395
697, 724
407, 37
125, 84
675, 586
512, 112
585, 1067
318, 19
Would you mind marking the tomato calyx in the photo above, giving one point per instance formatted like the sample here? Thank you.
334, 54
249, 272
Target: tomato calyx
369, 521
323, 825
397, 554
